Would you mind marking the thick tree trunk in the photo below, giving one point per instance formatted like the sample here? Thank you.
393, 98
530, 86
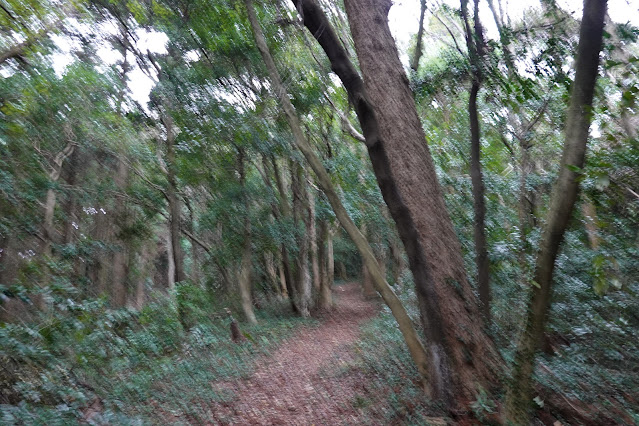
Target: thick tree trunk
416, 349
475, 43
461, 357
562, 200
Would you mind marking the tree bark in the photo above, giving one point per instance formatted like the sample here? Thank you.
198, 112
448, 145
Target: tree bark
475, 44
174, 202
461, 357
119, 287
414, 63
325, 295
313, 235
300, 214
246, 265
562, 201
286, 215
416, 349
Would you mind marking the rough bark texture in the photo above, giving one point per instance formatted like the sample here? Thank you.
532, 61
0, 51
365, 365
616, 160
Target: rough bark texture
461, 356
475, 44
404, 322
562, 200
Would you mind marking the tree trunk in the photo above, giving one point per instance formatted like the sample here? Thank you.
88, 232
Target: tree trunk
325, 295
246, 266
415, 347
119, 286
461, 357
286, 215
313, 242
475, 43
271, 273
300, 213
414, 63
330, 258
174, 202
562, 200
590, 220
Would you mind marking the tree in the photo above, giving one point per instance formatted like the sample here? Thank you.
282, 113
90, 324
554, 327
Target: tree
562, 202
476, 46
408, 331
407, 179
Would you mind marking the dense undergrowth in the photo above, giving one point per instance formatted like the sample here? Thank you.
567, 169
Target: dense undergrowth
86, 363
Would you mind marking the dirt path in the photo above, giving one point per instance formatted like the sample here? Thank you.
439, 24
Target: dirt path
305, 381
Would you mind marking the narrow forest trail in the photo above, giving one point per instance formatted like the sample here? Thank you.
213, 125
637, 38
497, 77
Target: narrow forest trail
305, 381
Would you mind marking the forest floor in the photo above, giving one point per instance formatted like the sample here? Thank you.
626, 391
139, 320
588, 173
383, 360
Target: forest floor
312, 378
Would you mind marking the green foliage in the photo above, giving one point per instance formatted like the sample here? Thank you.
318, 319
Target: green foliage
126, 361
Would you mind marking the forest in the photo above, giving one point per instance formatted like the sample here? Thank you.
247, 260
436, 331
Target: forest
277, 212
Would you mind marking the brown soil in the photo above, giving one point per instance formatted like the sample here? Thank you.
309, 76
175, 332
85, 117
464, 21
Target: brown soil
308, 380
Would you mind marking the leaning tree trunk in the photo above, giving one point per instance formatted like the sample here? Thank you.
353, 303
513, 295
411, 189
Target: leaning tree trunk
562, 202
462, 357
404, 322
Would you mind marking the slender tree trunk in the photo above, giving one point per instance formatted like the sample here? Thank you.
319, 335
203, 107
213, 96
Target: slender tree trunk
119, 287
300, 214
461, 357
313, 242
282, 279
416, 349
325, 294
590, 216
246, 266
475, 43
330, 258
175, 208
414, 63
562, 200
286, 215
271, 273
195, 252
